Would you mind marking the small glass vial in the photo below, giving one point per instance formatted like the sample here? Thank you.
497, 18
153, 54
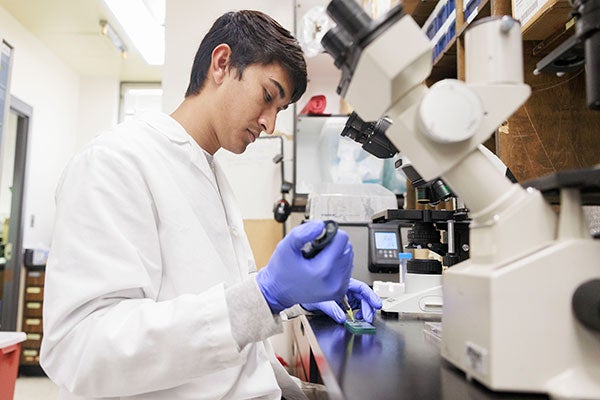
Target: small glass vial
403, 258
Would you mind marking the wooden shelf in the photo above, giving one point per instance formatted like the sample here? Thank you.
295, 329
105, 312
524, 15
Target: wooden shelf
546, 46
551, 18
445, 65
419, 10
483, 10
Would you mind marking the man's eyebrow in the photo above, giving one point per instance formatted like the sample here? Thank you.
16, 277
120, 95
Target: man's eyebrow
279, 87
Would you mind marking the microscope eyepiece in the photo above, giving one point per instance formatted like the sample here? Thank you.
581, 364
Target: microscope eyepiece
357, 129
371, 135
337, 43
350, 16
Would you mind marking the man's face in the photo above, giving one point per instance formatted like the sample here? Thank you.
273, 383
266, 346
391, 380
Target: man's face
250, 105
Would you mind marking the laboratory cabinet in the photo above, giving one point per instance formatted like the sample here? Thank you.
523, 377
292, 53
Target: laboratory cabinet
400, 360
32, 324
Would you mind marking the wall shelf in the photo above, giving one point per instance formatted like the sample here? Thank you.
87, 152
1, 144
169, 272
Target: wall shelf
445, 65
419, 10
481, 11
551, 18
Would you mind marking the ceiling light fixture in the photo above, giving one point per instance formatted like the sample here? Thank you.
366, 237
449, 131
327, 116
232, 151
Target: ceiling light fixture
145, 32
114, 37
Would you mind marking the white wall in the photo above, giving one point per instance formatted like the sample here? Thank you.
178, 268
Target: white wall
7, 163
41, 80
98, 107
67, 111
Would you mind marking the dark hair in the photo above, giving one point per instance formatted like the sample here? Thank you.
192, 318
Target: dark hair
254, 38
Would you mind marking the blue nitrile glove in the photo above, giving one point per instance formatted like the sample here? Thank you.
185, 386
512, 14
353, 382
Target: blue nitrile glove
360, 296
289, 278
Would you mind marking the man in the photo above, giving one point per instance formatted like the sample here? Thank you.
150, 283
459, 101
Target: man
150, 289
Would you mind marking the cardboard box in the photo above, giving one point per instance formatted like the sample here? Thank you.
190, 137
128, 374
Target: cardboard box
541, 18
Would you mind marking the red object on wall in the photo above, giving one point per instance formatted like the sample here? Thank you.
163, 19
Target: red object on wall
315, 106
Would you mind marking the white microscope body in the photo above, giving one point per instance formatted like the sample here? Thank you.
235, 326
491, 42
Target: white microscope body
421, 298
507, 318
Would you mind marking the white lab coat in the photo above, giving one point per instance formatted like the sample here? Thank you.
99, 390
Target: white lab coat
141, 255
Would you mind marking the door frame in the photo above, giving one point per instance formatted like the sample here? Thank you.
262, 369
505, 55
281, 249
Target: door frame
12, 270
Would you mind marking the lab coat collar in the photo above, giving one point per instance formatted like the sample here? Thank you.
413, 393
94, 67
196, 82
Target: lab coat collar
176, 133
168, 126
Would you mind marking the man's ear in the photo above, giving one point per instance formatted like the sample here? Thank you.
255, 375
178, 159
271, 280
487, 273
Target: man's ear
219, 65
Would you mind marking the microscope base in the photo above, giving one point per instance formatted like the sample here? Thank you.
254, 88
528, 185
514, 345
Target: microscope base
423, 299
511, 326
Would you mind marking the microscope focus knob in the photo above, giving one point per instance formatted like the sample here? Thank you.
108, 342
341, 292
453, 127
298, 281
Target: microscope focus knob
450, 112
586, 304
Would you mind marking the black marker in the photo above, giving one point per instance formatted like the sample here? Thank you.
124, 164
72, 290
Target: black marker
311, 249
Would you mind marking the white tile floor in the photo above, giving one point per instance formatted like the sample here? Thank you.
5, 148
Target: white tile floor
35, 388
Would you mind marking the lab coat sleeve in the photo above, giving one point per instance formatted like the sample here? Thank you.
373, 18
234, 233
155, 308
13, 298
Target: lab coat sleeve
105, 335
252, 320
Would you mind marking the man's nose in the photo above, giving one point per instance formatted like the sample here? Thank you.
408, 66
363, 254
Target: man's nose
267, 122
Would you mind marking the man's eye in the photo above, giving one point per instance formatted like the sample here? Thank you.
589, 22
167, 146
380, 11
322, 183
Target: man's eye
268, 97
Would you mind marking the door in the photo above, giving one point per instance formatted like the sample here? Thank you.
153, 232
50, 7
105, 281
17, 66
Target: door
13, 152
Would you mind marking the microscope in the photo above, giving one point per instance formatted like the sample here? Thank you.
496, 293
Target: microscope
436, 239
521, 313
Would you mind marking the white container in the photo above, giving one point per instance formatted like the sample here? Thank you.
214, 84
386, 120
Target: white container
354, 203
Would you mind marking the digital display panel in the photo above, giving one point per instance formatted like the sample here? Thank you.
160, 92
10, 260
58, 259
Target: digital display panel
386, 241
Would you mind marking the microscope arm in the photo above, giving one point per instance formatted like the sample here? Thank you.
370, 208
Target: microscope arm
500, 210
457, 108
441, 128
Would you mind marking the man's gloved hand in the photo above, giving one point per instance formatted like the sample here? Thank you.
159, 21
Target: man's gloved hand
290, 279
360, 296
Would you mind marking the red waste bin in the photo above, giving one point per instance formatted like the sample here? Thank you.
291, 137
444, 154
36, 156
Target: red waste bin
10, 349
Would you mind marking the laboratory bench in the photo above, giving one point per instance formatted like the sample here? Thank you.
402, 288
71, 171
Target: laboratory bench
400, 360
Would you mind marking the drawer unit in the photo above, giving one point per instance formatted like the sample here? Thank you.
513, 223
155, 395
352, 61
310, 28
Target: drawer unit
34, 293
33, 341
34, 278
32, 309
30, 356
32, 323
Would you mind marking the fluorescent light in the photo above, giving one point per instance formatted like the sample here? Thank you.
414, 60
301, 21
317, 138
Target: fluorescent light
114, 37
146, 34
